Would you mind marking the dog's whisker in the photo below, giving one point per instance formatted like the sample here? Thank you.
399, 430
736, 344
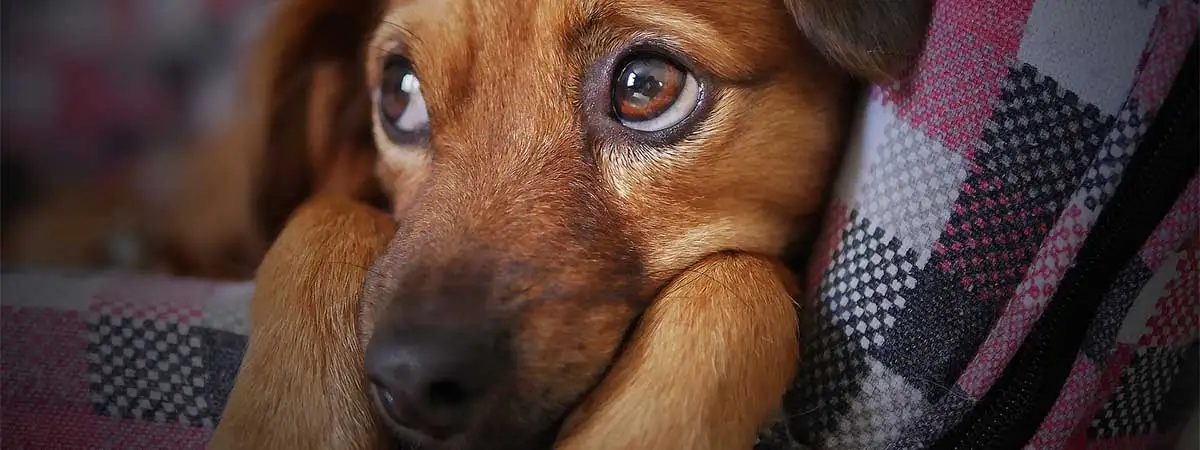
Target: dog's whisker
702, 275
804, 413
358, 266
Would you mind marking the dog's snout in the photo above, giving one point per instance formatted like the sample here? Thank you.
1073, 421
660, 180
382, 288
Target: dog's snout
430, 380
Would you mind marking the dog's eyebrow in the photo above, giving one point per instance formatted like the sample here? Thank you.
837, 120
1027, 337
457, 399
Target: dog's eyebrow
392, 22
603, 23
577, 35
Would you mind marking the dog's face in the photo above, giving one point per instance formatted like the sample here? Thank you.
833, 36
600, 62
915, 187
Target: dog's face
551, 164
562, 161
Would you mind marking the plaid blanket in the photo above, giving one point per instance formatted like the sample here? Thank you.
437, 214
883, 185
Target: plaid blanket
117, 361
961, 229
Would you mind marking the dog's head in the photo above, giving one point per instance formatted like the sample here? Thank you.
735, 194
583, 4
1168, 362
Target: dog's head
551, 164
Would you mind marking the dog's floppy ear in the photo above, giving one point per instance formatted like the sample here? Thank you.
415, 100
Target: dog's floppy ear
876, 40
311, 119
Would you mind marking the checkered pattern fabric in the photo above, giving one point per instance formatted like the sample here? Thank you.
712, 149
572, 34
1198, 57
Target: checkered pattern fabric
117, 362
965, 197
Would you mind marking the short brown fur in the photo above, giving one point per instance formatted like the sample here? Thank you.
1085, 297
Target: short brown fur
527, 211
300, 385
312, 396
727, 324
591, 225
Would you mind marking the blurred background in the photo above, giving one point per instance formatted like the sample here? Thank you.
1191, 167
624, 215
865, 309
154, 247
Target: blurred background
101, 99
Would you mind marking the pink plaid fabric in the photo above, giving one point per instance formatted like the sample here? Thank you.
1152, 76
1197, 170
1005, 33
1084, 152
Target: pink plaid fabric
117, 362
965, 198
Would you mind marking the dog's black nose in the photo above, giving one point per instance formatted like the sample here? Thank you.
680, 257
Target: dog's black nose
429, 380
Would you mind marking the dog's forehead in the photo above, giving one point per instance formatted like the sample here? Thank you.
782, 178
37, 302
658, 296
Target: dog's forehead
491, 32
446, 20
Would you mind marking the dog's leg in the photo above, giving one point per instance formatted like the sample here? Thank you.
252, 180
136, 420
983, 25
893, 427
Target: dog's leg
706, 366
301, 385
704, 369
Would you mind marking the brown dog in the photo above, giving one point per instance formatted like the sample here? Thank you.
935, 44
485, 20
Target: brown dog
312, 395
554, 167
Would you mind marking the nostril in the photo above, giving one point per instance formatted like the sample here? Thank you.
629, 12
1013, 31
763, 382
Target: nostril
448, 393
440, 413
431, 380
389, 407
387, 400
387, 397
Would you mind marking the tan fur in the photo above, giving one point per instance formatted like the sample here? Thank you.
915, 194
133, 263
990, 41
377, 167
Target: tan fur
595, 221
723, 330
308, 111
525, 210
728, 323
303, 132
300, 385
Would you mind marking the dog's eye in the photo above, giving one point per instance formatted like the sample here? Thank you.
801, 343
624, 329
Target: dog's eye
401, 106
652, 94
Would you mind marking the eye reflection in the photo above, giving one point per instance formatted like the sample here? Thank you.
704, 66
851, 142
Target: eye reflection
651, 94
401, 106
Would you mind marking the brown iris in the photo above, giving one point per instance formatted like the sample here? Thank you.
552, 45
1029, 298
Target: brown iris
393, 98
646, 88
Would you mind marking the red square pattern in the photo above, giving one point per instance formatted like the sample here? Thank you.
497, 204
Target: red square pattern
958, 77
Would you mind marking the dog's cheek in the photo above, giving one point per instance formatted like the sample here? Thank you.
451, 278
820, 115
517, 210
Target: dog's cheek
563, 347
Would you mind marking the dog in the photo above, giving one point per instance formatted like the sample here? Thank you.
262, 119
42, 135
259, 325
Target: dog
315, 395
575, 186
